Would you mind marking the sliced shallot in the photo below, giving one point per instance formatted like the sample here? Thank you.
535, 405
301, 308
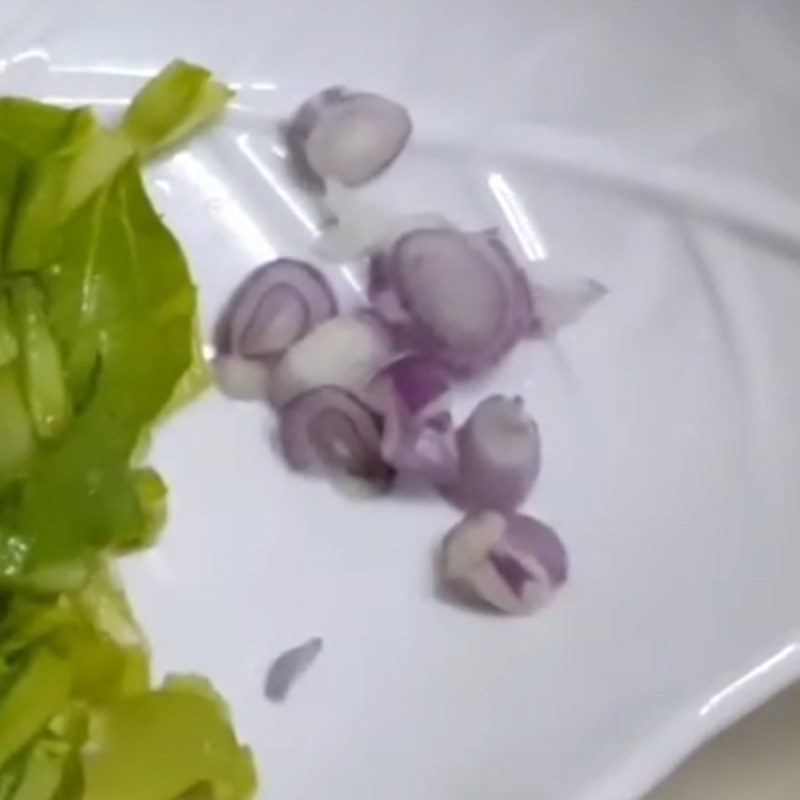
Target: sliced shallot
418, 433
511, 562
345, 351
348, 137
459, 297
423, 447
499, 455
241, 378
417, 382
276, 305
289, 666
332, 431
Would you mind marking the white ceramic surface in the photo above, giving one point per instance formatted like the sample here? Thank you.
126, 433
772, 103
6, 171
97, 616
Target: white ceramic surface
648, 144
756, 758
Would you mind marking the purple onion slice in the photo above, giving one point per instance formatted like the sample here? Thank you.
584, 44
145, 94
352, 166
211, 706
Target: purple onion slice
422, 447
417, 382
418, 433
277, 305
499, 455
512, 562
331, 431
522, 320
454, 296
347, 137
345, 351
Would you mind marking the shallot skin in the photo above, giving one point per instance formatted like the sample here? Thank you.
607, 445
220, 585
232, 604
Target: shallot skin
288, 667
562, 304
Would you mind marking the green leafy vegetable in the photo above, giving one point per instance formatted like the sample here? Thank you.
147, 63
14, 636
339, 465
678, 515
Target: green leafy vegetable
45, 387
97, 343
51, 188
142, 323
32, 128
43, 769
34, 697
152, 493
173, 104
17, 443
122, 309
132, 752
11, 162
84, 692
9, 347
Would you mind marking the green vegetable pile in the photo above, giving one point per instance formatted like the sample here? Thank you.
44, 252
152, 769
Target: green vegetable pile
97, 342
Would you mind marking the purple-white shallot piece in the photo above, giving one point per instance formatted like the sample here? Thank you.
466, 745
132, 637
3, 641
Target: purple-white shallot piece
511, 562
345, 351
274, 307
418, 432
499, 456
345, 136
457, 297
331, 431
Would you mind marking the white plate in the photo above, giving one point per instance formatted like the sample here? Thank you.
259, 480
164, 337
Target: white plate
651, 145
